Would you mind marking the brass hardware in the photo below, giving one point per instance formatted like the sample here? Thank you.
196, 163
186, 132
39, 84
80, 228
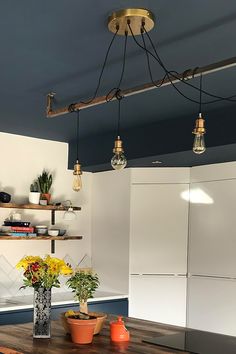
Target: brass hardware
118, 149
199, 126
50, 97
137, 18
77, 169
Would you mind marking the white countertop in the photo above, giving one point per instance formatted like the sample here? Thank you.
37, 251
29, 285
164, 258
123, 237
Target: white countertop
26, 302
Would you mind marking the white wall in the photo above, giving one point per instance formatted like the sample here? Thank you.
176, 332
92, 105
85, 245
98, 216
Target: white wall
22, 160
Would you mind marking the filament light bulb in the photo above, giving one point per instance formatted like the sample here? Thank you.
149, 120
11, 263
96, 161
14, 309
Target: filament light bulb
118, 161
77, 181
199, 142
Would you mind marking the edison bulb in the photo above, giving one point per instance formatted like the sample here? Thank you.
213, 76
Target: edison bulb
199, 144
77, 183
118, 161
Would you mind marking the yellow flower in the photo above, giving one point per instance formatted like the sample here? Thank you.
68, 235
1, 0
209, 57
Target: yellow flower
25, 261
66, 270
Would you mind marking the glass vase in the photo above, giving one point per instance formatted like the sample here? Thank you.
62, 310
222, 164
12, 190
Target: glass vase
42, 311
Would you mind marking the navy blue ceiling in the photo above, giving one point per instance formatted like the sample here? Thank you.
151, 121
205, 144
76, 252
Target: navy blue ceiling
59, 46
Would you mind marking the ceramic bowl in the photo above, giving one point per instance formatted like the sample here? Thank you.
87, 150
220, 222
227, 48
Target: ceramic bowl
61, 232
5, 197
41, 229
53, 232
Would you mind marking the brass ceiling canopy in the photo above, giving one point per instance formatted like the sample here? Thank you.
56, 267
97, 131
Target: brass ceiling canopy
136, 18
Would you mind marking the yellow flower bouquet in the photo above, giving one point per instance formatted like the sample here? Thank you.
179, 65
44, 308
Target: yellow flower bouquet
43, 272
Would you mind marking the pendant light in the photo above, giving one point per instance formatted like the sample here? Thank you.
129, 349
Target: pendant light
199, 142
77, 182
118, 161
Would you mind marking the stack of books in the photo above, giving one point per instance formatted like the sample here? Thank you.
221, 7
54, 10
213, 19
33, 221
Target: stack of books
17, 229
22, 231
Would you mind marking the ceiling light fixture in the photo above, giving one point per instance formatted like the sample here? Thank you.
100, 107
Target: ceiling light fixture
199, 142
77, 181
118, 161
138, 22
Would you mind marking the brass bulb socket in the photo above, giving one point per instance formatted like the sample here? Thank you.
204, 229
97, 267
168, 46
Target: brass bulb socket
118, 148
199, 126
77, 169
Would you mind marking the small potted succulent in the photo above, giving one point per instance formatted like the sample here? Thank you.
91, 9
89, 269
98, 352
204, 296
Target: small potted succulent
83, 283
34, 194
45, 183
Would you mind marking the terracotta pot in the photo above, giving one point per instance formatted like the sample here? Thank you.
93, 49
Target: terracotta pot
100, 321
100, 317
81, 330
46, 196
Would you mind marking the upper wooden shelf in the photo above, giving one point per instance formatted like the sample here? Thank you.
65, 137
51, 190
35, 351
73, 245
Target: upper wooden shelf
53, 238
37, 206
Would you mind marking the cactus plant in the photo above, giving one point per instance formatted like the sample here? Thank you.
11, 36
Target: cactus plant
45, 182
34, 187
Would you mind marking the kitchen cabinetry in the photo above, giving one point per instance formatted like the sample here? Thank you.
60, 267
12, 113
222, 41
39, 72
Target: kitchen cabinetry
158, 228
158, 252
113, 306
158, 298
53, 209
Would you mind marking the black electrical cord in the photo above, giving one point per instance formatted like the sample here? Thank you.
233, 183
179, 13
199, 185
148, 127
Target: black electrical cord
77, 134
115, 91
118, 123
103, 67
172, 73
218, 98
149, 65
200, 100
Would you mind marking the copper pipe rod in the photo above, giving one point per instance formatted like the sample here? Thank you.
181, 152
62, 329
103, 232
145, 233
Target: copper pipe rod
186, 75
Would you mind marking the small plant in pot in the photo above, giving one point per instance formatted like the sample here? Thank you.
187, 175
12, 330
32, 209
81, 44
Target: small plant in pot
34, 194
83, 283
45, 183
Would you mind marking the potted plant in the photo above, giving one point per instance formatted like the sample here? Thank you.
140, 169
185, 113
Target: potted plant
34, 193
45, 183
83, 283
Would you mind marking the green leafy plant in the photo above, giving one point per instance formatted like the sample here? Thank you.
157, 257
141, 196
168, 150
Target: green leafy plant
45, 182
83, 283
34, 187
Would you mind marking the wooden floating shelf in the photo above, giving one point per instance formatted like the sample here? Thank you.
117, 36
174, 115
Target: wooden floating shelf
37, 206
44, 238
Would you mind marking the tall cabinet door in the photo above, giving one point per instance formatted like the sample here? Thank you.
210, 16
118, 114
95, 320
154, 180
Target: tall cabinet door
159, 228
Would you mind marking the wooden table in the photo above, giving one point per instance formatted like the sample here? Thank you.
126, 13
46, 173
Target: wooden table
19, 337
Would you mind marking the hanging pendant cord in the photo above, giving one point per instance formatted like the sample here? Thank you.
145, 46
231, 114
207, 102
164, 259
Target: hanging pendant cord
118, 123
77, 135
103, 67
174, 74
116, 91
200, 100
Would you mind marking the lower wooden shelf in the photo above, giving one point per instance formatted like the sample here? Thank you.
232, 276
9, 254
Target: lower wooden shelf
45, 238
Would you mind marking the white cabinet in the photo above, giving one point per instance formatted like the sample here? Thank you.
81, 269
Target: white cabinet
158, 245
158, 298
158, 228
212, 305
213, 229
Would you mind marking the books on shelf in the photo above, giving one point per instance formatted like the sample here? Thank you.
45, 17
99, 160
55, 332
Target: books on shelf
24, 234
22, 229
